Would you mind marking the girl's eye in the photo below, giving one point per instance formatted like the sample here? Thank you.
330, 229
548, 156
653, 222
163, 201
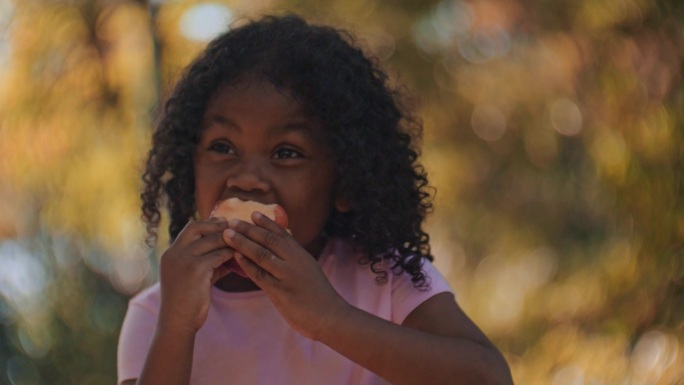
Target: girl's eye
221, 147
287, 153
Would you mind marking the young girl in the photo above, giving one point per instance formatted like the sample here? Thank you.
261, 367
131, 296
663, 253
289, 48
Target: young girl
280, 111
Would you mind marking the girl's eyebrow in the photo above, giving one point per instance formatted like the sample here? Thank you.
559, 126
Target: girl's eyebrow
299, 125
303, 127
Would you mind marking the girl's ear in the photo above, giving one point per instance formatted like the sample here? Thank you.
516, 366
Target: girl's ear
342, 204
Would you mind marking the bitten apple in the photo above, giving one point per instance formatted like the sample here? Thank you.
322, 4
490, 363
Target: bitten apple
242, 210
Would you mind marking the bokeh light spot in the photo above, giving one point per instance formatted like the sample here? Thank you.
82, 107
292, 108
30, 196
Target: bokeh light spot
21, 371
653, 354
203, 22
569, 375
484, 45
128, 275
22, 276
35, 342
566, 117
488, 122
446, 22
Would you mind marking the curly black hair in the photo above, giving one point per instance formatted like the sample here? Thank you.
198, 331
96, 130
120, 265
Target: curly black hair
373, 135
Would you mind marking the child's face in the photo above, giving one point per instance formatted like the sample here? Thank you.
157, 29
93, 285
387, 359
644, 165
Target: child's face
257, 144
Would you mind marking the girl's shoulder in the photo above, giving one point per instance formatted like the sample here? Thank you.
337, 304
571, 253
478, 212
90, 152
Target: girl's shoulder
393, 298
342, 255
341, 250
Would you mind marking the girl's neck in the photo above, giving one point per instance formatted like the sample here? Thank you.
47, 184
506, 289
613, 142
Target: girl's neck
235, 283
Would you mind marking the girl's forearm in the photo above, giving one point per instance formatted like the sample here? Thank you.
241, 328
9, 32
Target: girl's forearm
169, 360
403, 355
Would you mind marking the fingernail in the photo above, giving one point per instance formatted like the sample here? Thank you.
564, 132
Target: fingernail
233, 222
230, 233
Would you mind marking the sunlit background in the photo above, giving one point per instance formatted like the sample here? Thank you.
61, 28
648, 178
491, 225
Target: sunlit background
554, 135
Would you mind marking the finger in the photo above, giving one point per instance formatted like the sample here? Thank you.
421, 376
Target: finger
250, 247
195, 230
208, 266
270, 235
217, 258
207, 244
257, 274
216, 261
264, 221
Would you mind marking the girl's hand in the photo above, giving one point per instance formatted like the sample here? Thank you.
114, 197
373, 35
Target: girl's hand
188, 270
288, 274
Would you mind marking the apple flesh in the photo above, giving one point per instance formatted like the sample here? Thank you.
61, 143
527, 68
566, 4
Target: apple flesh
242, 210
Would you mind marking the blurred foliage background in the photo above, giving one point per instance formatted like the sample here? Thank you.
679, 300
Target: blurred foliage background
554, 135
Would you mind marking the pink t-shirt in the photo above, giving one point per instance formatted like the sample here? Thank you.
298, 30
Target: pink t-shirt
245, 340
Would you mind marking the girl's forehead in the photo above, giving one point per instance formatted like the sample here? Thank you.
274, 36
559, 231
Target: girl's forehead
258, 89
255, 80
260, 98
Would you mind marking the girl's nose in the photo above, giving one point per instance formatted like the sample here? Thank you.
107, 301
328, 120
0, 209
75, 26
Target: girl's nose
248, 177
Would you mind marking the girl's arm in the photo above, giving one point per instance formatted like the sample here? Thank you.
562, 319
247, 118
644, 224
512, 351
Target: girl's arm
188, 270
437, 343
169, 360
